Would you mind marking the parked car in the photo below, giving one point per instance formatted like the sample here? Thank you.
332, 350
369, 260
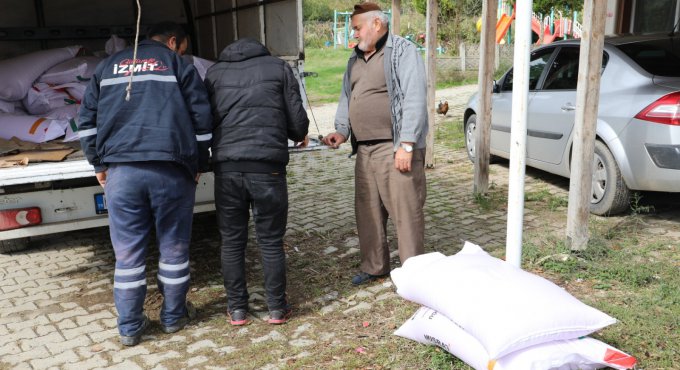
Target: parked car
638, 125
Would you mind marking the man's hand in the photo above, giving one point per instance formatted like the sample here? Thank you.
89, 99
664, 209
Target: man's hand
334, 140
303, 143
198, 177
402, 160
101, 177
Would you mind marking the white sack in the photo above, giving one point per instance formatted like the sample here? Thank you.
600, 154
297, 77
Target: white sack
18, 74
72, 130
43, 98
201, 64
75, 89
6, 106
427, 326
31, 128
504, 307
73, 70
114, 45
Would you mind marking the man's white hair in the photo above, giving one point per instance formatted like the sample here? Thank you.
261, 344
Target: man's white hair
384, 19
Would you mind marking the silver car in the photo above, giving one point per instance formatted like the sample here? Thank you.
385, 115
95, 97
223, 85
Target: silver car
638, 127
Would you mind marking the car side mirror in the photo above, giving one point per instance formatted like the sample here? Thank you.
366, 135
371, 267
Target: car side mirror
496, 87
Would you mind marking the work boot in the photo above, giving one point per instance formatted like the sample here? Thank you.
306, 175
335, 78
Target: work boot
133, 340
181, 323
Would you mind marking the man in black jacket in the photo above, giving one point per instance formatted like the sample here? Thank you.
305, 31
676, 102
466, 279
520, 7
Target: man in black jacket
256, 107
148, 152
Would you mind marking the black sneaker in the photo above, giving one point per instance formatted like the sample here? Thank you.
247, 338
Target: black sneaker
134, 340
238, 317
181, 323
278, 317
362, 278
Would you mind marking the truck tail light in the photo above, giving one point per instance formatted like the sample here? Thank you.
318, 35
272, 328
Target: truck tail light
19, 217
665, 110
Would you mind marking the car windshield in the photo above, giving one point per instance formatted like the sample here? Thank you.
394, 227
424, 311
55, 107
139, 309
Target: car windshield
658, 57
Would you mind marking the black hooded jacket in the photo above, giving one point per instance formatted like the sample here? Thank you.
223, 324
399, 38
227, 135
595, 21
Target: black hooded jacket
256, 107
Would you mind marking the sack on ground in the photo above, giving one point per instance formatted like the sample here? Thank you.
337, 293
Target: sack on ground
18, 74
427, 326
504, 307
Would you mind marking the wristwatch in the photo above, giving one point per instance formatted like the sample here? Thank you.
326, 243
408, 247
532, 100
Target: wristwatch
407, 147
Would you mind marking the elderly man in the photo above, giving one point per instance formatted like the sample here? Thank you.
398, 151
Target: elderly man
383, 108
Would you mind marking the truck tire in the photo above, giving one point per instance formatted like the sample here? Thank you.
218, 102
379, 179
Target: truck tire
13, 245
610, 195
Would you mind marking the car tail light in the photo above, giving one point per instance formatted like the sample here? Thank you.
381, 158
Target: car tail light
666, 110
19, 217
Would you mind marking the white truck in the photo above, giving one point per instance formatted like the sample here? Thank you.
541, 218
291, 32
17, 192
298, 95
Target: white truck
53, 197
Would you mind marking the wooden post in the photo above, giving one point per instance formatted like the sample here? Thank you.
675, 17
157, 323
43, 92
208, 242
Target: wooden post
461, 53
518, 133
497, 57
587, 102
486, 68
431, 25
396, 17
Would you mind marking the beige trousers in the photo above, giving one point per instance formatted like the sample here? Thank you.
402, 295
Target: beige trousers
381, 191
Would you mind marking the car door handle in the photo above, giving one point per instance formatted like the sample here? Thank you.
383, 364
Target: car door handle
568, 107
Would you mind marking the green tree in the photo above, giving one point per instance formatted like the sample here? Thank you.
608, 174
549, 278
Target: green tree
545, 6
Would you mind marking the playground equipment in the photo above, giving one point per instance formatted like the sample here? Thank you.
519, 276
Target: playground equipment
554, 26
503, 25
342, 28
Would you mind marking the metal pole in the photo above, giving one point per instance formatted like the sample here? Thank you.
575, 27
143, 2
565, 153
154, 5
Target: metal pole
347, 20
335, 29
518, 135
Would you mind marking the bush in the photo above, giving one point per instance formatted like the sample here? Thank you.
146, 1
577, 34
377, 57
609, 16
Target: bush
318, 33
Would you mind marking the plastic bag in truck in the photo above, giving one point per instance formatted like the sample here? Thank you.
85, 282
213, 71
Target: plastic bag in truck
18, 74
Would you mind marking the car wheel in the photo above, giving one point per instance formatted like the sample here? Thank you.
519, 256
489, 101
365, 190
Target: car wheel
470, 128
13, 245
610, 195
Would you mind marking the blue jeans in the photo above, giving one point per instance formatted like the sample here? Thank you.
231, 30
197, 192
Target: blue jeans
235, 193
140, 196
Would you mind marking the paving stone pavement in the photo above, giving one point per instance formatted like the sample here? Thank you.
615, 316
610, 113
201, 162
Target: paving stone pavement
56, 309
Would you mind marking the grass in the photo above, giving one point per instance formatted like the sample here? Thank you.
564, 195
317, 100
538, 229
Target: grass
636, 282
330, 65
544, 196
450, 133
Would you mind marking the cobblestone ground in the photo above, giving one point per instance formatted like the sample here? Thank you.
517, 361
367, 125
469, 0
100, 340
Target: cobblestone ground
56, 308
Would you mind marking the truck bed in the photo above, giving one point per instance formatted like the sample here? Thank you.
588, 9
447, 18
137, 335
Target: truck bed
46, 171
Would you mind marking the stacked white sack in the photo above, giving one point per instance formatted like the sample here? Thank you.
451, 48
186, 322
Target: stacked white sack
504, 307
18, 74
